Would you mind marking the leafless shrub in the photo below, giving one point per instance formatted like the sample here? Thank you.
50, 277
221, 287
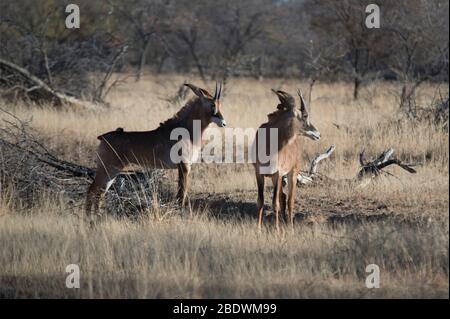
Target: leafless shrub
30, 169
438, 112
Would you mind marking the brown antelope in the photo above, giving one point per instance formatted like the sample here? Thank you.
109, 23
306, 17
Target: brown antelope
152, 149
291, 124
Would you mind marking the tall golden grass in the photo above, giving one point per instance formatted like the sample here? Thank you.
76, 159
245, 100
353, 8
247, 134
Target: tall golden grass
167, 254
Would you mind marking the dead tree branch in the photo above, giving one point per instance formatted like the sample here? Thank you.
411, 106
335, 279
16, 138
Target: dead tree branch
370, 169
29, 168
42, 89
375, 167
304, 178
103, 88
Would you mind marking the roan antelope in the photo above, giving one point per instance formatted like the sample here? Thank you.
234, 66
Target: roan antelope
152, 149
291, 124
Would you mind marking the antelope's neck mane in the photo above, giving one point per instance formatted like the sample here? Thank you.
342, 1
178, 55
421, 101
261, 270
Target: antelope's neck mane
272, 117
286, 124
181, 117
278, 116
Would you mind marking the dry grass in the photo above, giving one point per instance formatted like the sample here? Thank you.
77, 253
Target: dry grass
195, 258
205, 256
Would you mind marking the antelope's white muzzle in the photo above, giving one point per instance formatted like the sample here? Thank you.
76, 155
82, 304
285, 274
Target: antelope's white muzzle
220, 122
314, 135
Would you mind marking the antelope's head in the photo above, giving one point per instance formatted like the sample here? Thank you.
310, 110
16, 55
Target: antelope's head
287, 103
209, 104
307, 128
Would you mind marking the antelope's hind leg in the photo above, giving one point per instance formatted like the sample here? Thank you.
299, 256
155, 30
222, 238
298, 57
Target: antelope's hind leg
277, 185
292, 186
283, 204
183, 183
260, 202
103, 180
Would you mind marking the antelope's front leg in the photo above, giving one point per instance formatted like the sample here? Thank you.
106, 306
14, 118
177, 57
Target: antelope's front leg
283, 200
292, 185
260, 202
183, 174
276, 179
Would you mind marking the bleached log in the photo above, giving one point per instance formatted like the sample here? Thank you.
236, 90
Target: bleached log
304, 178
38, 84
370, 169
374, 168
307, 178
318, 158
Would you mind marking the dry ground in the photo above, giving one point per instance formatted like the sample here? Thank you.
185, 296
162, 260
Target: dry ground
399, 223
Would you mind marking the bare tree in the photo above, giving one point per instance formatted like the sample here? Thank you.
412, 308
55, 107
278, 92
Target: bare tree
311, 39
142, 20
419, 47
40, 56
244, 23
360, 49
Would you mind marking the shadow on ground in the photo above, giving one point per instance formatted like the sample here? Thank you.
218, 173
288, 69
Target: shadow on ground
307, 211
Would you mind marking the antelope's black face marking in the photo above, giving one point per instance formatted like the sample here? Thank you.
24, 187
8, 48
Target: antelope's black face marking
307, 129
213, 105
214, 109
216, 115
312, 132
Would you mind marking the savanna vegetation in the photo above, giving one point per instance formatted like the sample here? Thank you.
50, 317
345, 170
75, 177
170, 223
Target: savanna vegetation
369, 90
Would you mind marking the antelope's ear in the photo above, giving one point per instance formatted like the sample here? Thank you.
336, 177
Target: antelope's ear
198, 91
286, 100
302, 104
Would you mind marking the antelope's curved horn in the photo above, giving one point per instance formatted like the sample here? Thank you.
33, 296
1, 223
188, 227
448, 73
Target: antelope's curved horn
220, 91
215, 92
302, 104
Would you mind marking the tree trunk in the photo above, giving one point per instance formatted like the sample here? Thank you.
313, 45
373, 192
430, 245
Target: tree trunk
408, 98
356, 86
161, 61
357, 80
198, 65
190, 40
143, 59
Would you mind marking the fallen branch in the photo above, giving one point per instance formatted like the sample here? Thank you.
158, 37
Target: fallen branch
309, 177
43, 90
315, 162
369, 169
306, 178
375, 167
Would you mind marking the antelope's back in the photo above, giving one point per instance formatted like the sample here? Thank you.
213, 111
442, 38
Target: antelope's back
146, 148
